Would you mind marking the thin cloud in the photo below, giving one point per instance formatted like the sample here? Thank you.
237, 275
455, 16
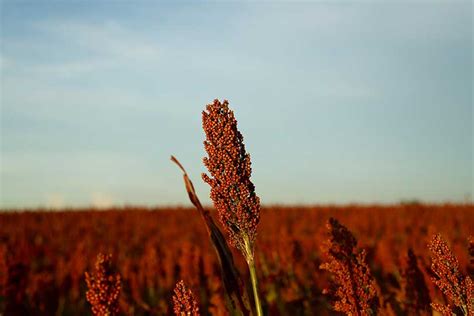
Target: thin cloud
88, 48
108, 39
102, 200
55, 201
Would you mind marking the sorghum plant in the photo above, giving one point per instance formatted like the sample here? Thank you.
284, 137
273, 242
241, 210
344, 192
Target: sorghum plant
457, 288
417, 299
232, 191
184, 302
3, 269
16, 288
470, 240
104, 287
470, 296
233, 284
354, 287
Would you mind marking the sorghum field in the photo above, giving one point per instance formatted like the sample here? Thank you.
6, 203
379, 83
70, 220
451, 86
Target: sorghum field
44, 256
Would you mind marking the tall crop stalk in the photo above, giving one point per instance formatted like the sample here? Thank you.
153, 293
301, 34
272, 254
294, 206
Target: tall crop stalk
230, 276
234, 198
253, 278
232, 191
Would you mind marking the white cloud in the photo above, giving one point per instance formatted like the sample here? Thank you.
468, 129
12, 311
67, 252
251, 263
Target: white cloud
101, 200
85, 49
51, 100
109, 39
71, 69
55, 201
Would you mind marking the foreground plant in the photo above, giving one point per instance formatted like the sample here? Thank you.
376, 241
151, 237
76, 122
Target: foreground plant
184, 303
417, 298
354, 287
234, 198
470, 240
234, 287
232, 191
459, 290
104, 287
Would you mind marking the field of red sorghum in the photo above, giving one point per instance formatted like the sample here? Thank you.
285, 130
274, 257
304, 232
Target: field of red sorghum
44, 257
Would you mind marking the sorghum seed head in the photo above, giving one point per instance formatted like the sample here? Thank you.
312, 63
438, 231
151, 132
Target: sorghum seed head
184, 302
448, 276
228, 163
355, 290
104, 287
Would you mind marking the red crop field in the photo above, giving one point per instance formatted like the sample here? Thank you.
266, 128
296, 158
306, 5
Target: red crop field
45, 255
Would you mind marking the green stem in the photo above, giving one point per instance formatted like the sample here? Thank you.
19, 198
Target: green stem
253, 278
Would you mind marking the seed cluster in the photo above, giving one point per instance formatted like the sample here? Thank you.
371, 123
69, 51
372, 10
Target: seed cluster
354, 287
104, 287
449, 279
228, 163
184, 302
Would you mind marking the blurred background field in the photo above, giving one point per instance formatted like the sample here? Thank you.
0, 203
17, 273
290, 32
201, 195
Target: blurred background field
44, 255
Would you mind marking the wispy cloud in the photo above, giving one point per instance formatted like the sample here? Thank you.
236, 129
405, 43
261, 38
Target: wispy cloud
108, 39
86, 49
102, 200
55, 201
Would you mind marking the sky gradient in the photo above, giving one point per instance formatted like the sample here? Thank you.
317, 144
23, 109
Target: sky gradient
338, 102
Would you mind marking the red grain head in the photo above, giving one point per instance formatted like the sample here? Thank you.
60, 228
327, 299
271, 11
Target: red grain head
448, 277
228, 163
184, 302
354, 288
104, 287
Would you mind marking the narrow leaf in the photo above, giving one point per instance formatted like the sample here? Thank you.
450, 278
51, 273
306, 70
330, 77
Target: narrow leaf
231, 278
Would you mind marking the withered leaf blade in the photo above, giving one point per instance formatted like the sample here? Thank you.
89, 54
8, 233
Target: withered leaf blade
233, 284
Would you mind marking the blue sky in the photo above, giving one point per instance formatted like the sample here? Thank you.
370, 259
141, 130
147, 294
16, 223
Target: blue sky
338, 102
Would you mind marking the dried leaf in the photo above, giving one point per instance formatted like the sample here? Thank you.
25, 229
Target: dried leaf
232, 282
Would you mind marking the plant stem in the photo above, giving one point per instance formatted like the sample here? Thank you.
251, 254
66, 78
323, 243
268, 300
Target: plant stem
253, 278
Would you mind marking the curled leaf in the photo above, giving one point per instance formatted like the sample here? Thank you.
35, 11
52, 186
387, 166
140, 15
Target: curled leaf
233, 284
